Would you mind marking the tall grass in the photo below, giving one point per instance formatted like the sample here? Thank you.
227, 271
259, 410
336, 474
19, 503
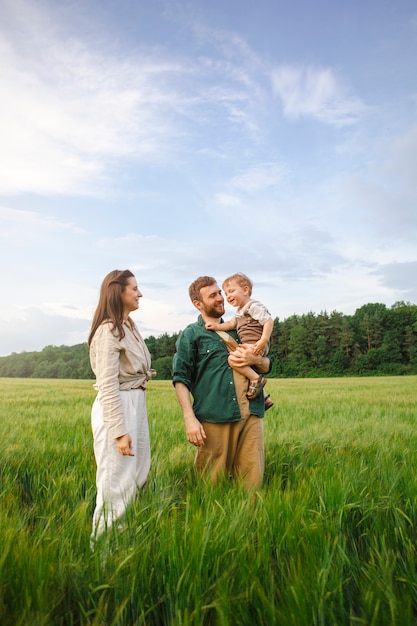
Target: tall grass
328, 540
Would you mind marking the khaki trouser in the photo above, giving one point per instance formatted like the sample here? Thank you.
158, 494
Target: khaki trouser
233, 448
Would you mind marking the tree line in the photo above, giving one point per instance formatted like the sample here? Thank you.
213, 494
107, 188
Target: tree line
375, 340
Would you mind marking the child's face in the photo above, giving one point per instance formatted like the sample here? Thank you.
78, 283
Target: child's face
235, 294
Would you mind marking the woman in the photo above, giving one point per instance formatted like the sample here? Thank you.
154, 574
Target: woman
121, 363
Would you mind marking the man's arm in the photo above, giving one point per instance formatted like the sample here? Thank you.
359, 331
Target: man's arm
244, 355
193, 428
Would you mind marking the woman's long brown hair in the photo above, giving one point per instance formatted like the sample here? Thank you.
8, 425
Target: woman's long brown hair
110, 305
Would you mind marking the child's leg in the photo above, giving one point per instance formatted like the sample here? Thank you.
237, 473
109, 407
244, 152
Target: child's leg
256, 381
247, 372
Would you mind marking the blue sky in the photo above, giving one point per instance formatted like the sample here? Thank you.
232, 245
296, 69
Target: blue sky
180, 138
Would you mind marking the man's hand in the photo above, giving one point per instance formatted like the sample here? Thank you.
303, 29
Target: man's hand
193, 428
194, 431
244, 355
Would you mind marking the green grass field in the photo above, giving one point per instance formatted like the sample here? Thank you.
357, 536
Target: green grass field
330, 539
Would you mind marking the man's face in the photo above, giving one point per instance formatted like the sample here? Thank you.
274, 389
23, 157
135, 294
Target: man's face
212, 301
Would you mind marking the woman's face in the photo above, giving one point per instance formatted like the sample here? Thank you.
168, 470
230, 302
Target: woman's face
130, 297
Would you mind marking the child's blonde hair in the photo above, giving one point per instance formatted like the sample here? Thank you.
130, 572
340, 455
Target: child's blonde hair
240, 279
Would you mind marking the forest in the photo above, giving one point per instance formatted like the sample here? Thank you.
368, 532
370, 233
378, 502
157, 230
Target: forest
375, 340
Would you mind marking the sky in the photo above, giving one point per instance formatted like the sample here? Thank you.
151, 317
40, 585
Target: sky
179, 138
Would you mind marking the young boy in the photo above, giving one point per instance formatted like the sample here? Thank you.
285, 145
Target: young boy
254, 326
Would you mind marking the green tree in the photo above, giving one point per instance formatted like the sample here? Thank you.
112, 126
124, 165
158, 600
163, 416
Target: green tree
410, 344
370, 322
298, 358
321, 352
339, 363
163, 368
151, 343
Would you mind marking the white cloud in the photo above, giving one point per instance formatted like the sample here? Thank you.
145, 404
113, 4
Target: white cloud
227, 200
401, 165
33, 329
67, 112
401, 277
307, 91
23, 225
71, 113
260, 177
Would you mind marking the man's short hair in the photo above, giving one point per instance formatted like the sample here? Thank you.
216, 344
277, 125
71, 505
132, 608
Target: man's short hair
199, 283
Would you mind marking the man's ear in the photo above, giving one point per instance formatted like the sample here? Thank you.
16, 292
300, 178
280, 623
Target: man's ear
198, 304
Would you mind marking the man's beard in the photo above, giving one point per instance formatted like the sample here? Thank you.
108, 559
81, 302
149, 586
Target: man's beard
214, 311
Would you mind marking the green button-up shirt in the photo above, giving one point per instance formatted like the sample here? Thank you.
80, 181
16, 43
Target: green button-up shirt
201, 364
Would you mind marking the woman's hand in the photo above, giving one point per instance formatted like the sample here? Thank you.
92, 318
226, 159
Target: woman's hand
124, 445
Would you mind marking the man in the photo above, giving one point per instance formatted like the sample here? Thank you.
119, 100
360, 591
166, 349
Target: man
221, 422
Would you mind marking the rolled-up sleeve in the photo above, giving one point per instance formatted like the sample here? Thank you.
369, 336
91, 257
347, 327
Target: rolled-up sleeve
183, 362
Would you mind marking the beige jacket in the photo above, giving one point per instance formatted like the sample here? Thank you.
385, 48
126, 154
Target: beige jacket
118, 366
